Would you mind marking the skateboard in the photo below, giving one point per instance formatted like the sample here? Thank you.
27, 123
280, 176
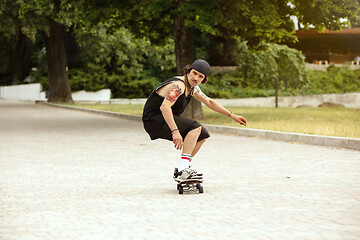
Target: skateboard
189, 185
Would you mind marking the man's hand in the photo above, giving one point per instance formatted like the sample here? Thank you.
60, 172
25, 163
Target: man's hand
177, 140
239, 119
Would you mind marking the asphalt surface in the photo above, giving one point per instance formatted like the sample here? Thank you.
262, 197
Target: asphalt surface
67, 174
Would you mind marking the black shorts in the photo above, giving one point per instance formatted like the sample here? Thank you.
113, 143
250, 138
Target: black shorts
156, 127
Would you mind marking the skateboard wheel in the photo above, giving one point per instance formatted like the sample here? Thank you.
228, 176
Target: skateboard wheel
201, 189
181, 189
178, 186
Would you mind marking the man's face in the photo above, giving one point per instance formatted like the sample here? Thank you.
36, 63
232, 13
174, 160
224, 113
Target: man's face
195, 78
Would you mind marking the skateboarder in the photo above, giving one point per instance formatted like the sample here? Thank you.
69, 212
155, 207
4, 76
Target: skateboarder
161, 115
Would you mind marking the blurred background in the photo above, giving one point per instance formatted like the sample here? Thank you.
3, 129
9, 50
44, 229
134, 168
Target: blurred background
256, 48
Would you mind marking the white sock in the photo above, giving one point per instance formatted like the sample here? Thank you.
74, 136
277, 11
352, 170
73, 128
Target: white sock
184, 161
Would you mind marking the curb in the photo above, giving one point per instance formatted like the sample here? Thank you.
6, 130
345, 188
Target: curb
327, 141
106, 113
340, 142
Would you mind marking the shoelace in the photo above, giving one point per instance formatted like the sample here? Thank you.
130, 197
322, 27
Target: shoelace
192, 172
190, 169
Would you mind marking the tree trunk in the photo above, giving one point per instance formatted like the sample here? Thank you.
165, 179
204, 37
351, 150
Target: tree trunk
185, 54
194, 110
184, 44
59, 88
276, 92
19, 55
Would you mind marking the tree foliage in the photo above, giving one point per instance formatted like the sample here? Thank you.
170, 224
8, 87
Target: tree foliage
326, 13
254, 21
277, 67
13, 42
127, 42
121, 62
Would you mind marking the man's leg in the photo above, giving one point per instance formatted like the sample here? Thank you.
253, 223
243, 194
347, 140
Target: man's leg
197, 147
191, 140
190, 143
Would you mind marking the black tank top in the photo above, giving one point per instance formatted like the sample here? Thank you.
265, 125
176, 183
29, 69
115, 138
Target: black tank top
154, 101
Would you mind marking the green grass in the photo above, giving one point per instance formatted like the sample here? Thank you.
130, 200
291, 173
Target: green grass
341, 122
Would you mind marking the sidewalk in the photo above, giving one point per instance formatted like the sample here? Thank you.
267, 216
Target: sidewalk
67, 174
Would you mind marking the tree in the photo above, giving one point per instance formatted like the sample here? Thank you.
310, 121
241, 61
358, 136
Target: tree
276, 66
171, 18
186, 21
51, 19
57, 63
115, 59
326, 13
290, 66
10, 29
185, 54
254, 21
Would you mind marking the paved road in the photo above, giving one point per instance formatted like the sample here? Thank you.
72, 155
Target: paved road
73, 175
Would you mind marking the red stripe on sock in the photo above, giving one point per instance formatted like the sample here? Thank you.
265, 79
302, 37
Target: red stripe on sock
186, 158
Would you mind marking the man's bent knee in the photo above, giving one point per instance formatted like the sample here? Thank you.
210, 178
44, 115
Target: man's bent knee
196, 131
203, 140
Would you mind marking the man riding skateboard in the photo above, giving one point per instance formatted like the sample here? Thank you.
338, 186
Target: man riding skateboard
162, 110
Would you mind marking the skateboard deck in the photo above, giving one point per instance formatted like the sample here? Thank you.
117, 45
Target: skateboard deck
188, 185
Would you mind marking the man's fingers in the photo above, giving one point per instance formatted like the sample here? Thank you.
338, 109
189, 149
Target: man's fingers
178, 144
243, 121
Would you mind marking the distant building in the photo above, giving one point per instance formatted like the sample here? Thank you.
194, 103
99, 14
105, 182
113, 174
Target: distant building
330, 47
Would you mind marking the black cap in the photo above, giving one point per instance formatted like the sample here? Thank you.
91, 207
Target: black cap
201, 66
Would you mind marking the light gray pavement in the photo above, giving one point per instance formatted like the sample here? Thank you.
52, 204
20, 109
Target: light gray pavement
66, 174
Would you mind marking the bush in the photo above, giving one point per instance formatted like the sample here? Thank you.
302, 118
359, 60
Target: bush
95, 77
231, 84
5, 80
130, 67
92, 78
121, 88
222, 84
258, 73
334, 80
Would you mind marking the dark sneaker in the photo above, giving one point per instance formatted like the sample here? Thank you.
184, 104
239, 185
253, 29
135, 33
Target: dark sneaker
176, 173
